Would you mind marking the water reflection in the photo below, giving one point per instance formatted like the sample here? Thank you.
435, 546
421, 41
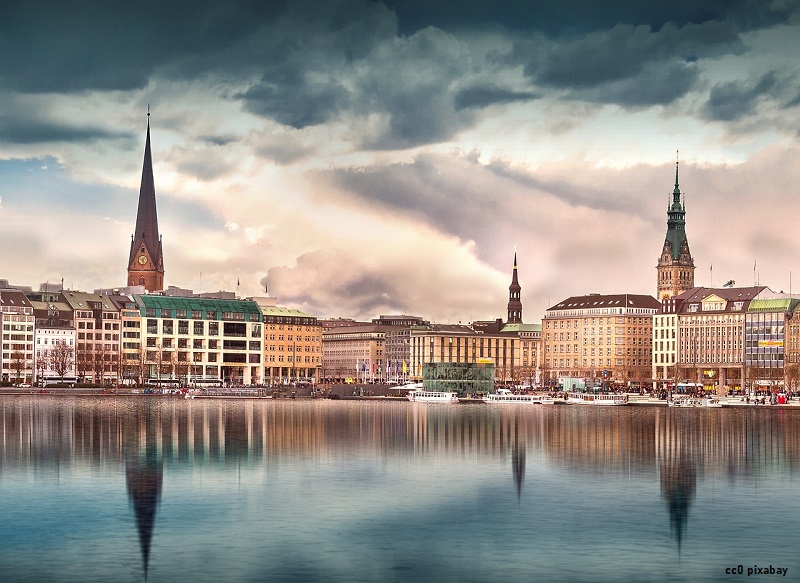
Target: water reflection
143, 473
153, 440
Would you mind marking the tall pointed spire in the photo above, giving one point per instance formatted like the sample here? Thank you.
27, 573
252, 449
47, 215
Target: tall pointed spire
145, 263
675, 269
514, 302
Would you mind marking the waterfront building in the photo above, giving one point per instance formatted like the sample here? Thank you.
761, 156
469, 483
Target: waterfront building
96, 320
145, 260
528, 358
132, 355
54, 336
765, 340
711, 334
292, 346
459, 344
355, 352
600, 338
675, 269
201, 339
665, 344
17, 341
792, 350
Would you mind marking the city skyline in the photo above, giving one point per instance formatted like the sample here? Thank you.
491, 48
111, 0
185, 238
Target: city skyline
366, 158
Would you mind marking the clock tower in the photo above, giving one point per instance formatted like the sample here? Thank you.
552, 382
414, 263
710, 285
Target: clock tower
145, 263
675, 266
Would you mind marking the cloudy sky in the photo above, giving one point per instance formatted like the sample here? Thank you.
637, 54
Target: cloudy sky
373, 157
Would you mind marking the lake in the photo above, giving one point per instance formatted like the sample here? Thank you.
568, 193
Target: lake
166, 489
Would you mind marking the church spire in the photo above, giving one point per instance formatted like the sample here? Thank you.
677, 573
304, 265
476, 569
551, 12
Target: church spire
675, 267
514, 302
145, 263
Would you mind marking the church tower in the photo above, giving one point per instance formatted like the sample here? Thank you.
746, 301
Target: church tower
514, 303
145, 263
675, 266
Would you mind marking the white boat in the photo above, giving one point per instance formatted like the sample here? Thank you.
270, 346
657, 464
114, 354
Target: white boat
597, 399
423, 396
710, 402
504, 396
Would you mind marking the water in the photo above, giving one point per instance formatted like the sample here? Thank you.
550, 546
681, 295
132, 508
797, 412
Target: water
163, 489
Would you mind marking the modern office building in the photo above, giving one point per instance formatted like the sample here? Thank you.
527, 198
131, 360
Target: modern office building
199, 339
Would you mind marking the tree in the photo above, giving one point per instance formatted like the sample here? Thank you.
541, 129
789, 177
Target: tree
61, 358
18, 363
83, 359
42, 360
792, 372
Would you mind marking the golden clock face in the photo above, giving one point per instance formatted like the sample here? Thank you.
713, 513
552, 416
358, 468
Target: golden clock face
142, 259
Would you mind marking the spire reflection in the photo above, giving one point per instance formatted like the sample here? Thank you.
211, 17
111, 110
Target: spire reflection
143, 475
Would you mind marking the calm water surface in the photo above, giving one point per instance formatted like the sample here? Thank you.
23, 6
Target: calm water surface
162, 489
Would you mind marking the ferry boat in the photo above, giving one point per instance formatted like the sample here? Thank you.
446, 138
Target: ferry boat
711, 402
597, 399
423, 396
503, 396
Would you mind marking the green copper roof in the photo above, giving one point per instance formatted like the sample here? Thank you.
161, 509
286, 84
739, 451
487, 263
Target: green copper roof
197, 304
281, 311
773, 305
519, 327
676, 221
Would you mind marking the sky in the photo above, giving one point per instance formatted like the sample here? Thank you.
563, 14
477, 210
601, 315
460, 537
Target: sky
355, 158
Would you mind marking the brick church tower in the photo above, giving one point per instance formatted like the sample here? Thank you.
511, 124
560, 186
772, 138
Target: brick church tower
146, 263
514, 302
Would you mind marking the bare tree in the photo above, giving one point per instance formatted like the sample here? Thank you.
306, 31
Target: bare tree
792, 372
42, 360
83, 359
18, 363
61, 358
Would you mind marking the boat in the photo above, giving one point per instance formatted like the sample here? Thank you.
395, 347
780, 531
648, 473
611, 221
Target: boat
505, 396
709, 402
597, 399
423, 396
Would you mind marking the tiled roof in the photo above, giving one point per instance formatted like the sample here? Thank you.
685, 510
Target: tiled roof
607, 301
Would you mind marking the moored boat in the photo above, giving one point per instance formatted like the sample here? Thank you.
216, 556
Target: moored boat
423, 396
504, 396
597, 399
710, 402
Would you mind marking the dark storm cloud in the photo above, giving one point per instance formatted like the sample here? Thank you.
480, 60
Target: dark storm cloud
298, 105
575, 17
659, 62
734, 100
489, 95
17, 128
74, 46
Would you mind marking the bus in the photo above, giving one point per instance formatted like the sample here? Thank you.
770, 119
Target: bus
53, 380
164, 383
206, 382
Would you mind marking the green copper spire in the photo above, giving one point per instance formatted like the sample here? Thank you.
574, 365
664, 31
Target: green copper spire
676, 219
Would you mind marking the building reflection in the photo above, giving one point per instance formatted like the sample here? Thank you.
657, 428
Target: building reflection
150, 437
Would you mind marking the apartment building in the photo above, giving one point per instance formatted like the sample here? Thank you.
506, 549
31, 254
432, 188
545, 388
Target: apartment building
17, 342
